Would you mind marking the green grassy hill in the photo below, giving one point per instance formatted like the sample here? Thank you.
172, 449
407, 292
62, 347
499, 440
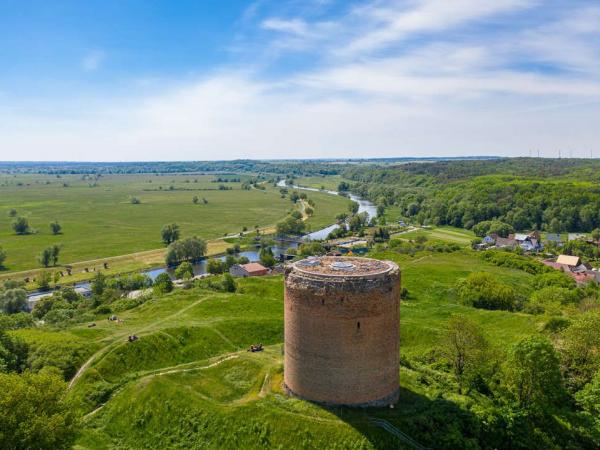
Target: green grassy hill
188, 382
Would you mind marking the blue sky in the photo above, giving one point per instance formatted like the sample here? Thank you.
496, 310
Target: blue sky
194, 80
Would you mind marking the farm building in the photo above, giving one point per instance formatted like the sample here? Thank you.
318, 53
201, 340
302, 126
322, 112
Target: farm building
341, 317
252, 269
575, 268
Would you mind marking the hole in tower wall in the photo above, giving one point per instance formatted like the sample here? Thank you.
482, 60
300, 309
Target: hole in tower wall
358, 325
322, 302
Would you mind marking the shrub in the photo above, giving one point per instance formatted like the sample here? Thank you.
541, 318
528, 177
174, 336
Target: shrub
21, 226
215, 266
228, 283
184, 270
163, 283
481, 290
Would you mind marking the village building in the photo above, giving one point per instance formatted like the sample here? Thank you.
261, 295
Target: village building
554, 238
573, 266
529, 242
252, 269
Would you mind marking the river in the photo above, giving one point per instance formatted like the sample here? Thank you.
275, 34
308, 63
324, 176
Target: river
252, 255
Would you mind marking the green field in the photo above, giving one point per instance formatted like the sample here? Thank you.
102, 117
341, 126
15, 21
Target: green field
98, 220
189, 379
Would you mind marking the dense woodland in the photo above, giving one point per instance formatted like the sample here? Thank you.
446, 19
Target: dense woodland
527, 193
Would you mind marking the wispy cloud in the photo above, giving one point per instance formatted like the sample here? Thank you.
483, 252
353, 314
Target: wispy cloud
93, 60
383, 78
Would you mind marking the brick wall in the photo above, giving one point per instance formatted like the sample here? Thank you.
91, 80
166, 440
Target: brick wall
342, 337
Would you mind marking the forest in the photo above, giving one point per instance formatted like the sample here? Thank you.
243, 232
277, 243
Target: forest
526, 193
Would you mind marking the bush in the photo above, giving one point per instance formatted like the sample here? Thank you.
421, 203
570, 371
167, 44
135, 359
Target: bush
228, 283
13, 301
503, 258
184, 270
163, 284
481, 290
215, 266
21, 226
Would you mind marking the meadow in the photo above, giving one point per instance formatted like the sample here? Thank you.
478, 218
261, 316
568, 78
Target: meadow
99, 220
189, 378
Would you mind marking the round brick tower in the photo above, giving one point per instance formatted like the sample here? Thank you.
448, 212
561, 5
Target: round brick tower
342, 330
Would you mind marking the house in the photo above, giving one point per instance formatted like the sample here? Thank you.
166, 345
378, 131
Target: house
568, 260
506, 242
252, 269
575, 268
529, 242
576, 236
554, 238
491, 239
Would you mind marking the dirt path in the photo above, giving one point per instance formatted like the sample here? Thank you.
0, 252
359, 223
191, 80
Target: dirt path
118, 340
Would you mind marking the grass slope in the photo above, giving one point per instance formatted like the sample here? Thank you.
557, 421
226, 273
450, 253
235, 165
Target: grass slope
189, 383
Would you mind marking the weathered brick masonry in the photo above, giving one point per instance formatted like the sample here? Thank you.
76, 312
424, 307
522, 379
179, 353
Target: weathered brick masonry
342, 331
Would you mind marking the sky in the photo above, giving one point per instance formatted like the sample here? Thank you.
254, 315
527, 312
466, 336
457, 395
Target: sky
142, 80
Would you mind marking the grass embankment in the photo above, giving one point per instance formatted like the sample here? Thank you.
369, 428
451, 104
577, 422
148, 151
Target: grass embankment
100, 224
189, 380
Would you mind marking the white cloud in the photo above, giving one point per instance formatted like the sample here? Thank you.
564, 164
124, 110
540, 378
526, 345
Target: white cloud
294, 26
392, 23
468, 93
92, 61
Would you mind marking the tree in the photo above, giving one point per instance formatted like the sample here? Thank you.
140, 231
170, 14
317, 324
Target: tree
596, 234
341, 217
589, 398
55, 227
13, 354
481, 290
465, 346
185, 269
312, 249
309, 211
134, 200
43, 281
290, 225
99, 284
34, 408
488, 227
215, 266
49, 256
2, 256
353, 207
21, 225
43, 307
163, 283
580, 349
230, 261
12, 212
380, 210
228, 283
189, 249
195, 199
343, 186
13, 301
266, 257
532, 374
170, 233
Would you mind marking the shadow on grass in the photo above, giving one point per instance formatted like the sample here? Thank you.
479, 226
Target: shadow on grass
415, 422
